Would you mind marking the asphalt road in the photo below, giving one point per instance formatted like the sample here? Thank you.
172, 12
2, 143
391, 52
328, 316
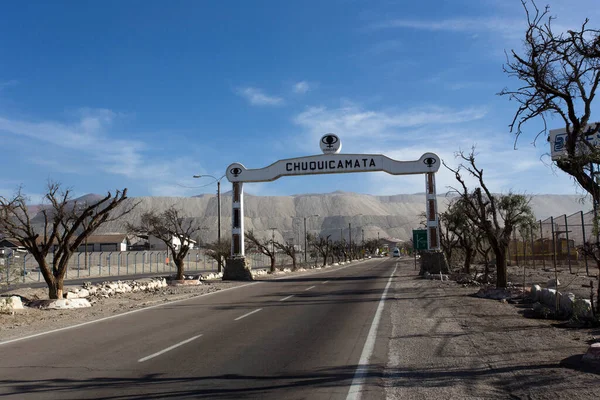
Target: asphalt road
307, 337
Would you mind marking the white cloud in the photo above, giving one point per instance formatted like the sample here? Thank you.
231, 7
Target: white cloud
257, 97
504, 26
352, 121
301, 87
92, 143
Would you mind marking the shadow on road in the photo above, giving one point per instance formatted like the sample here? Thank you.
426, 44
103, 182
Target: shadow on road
234, 386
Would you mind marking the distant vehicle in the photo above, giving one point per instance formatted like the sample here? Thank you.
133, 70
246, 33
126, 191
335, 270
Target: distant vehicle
396, 252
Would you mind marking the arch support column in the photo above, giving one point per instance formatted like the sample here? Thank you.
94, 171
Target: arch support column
433, 234
236, 268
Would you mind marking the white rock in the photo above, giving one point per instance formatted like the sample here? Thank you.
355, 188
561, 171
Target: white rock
10, 304
582, 308
566, 302
83, 293
536, 292
549, 297
552, 283
593, 354
71, 295
65, 304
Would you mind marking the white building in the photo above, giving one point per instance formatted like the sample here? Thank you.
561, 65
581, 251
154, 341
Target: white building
157, 244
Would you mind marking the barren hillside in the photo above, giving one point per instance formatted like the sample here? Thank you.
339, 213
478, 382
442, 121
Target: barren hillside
388, 216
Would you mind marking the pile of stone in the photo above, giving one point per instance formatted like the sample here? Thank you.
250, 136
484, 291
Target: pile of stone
8, 305
568, 304
78, 297
107, 289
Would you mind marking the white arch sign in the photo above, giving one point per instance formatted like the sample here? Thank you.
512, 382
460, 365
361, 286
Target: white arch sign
332, 162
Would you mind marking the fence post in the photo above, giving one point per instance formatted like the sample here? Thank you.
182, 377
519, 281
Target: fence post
78, 264
543, 247
143, 261
135, 263
7, 264
100, 264
553, 242
24, 267
118, 263
587, 271
109, 260
532, 246
568, 244
516, 248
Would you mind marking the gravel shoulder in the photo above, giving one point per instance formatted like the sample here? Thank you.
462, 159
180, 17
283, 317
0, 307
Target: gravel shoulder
446, 343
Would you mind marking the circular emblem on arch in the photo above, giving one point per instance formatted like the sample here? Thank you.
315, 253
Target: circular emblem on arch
235, 171
429, 161
330, 144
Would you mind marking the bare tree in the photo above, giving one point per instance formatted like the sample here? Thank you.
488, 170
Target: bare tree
63, 226
592, 250
264, 246
171, 228
495, 215
370, 245
219, 252
559, 76
448, 240
322, 246
290, 250
466, 234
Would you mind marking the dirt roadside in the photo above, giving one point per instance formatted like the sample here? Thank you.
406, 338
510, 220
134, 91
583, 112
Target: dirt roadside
447, 344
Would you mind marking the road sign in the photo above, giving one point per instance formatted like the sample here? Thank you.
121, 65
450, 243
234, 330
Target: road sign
420, 239
558, 141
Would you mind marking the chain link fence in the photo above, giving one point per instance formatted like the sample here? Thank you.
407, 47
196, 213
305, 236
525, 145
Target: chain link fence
555, 242
21, 267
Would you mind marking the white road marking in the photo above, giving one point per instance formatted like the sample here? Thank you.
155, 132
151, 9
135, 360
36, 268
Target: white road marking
312, 287
285, 298
168, 349
123, 314
324, 282
363, 363
250, 313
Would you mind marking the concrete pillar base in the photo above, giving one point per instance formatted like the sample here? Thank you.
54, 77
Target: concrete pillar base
237, 270
434, 262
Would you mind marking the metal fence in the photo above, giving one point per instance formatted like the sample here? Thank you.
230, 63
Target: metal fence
23, 268
555, 242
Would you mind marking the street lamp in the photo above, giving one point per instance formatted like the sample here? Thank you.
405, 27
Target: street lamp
305, 239
218, 208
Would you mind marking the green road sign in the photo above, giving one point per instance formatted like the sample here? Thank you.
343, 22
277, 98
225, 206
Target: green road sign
420, 239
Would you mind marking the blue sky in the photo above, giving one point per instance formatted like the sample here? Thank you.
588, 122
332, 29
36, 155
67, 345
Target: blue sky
102, 95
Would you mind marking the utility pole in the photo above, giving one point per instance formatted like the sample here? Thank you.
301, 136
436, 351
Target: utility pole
218, 210
350, 239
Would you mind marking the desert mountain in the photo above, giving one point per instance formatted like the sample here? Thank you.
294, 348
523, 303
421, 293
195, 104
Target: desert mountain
386, 216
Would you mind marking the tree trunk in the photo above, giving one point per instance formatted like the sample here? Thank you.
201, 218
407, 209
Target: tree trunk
501, 278
294, 266
272, 270
55, 288
180, 265
220, 264
468, 258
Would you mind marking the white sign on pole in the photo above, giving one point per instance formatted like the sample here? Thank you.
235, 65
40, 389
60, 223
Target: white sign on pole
558, 141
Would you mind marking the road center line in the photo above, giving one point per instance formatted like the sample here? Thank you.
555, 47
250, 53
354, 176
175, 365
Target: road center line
168, 349
285, 298
324, 282
312, 287
363, 363
250, 313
